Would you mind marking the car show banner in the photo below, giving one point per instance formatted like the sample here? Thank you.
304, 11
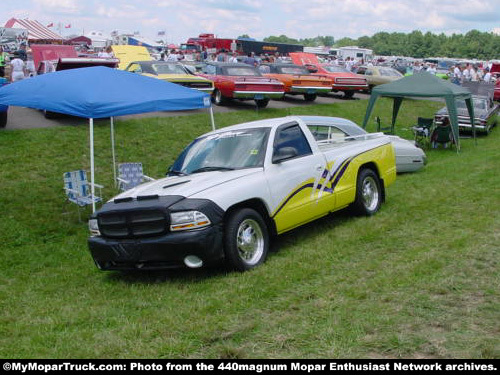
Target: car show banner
11, 38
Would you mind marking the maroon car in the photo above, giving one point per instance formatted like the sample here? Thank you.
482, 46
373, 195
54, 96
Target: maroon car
241, 81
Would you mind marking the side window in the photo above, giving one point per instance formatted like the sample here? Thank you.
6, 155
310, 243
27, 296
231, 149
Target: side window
134, 68
291, 136
321, 132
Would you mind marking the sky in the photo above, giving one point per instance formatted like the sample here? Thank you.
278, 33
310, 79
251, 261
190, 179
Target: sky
182, 19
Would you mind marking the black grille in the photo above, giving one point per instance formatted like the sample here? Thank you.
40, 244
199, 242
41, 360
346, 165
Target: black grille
133, 224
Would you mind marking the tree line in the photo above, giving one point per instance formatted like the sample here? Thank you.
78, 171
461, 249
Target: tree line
472, 45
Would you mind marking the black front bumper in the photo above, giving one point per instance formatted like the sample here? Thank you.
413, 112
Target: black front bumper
163, 252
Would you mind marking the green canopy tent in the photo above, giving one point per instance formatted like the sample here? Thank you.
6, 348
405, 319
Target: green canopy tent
424, 85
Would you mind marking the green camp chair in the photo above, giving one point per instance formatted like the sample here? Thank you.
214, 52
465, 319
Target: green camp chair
442, 135
422, 131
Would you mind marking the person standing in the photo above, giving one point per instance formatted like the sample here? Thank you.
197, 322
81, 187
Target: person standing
4, 58
487, 76
22, 52
457, 75
250, 59
234, 58
18, 68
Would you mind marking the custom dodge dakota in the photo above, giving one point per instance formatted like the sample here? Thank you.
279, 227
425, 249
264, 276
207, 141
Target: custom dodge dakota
231, 190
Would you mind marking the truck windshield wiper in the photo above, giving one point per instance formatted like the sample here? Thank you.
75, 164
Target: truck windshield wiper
209, 169
176, 173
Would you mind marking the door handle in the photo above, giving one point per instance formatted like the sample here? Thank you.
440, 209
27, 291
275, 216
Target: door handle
319, 168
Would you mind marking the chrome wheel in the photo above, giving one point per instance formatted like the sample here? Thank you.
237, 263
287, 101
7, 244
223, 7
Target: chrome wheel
370, 193
250, 242
246, 239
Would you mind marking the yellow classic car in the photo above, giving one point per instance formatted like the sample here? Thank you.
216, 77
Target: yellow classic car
378, 75
171, 72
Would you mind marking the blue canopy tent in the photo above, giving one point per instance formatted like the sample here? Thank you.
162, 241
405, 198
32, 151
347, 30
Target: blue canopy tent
101, 92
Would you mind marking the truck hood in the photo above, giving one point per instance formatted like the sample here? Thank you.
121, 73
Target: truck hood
186, 186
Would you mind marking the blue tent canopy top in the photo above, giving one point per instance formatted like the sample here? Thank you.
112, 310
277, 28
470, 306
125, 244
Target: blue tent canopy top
100, 92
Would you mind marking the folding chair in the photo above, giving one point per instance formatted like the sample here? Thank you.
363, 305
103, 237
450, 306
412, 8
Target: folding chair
130, 175
442, 135
385, 130
78, 191
422, 130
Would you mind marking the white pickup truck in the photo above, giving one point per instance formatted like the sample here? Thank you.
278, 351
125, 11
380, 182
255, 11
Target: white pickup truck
230, 191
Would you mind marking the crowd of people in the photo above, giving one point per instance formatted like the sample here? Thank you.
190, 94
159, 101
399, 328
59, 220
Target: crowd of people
16, 66
223, 56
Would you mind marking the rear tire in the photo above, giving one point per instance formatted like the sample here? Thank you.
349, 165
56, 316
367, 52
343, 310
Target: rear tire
246, 240
348, 94
368, 193
262, 103
310, 97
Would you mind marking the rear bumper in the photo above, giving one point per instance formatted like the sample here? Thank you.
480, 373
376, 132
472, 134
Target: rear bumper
163, 252
310, 89
339, 87
258, 94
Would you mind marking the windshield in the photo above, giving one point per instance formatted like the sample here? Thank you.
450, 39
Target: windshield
293, 70
230, 150
389, 72
479, 104
241, 71
168, 69
335, 69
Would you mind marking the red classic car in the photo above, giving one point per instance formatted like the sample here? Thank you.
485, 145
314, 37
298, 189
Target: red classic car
342, 79
297, 80
241, 81
496, 95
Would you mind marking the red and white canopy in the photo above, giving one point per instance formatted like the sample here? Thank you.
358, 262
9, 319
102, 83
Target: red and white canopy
36, 31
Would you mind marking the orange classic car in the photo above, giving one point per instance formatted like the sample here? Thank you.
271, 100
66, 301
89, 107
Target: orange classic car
342, 79
297, 80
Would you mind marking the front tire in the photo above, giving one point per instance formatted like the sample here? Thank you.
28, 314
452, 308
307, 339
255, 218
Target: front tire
246, 240
218, 98
368, 193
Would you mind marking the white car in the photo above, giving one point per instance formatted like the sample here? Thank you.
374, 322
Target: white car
232, 190
409, 158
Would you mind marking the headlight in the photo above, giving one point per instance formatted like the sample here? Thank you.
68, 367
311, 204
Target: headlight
186, 220
94, 228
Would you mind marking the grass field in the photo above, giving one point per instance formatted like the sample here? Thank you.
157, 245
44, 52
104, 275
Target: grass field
420, 279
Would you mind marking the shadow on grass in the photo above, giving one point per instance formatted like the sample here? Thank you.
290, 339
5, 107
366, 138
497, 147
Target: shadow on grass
305, 233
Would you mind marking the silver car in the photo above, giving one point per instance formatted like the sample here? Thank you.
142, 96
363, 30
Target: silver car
409, 158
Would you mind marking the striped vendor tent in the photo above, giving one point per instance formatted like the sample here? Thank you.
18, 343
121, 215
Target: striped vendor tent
36, 31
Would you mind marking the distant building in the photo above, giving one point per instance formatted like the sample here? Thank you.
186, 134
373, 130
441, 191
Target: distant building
496, 31
99, 39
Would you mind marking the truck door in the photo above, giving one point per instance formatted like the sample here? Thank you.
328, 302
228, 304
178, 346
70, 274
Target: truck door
294, 178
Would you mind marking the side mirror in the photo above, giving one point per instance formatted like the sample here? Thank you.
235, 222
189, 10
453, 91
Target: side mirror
283, 154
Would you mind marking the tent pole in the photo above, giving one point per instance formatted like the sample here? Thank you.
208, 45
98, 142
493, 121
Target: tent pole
212, 117
92, 187
113, 148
